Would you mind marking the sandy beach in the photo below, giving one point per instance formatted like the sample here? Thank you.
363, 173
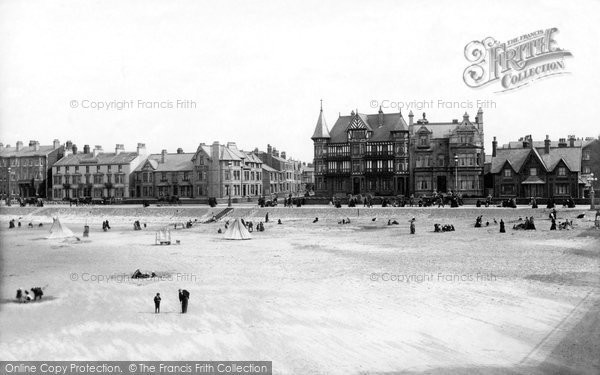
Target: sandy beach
314, 298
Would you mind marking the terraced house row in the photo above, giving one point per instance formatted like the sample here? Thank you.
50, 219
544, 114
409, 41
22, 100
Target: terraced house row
64, 172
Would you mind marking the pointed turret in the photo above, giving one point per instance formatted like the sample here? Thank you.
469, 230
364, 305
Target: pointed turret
321, 130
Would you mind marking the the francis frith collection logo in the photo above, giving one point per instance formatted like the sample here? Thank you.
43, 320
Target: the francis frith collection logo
514, 63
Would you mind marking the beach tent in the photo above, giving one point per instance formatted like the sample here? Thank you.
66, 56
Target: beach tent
163, 236
59, 231
237, 231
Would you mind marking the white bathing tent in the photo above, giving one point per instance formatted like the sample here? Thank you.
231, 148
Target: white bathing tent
59, 231
237, 231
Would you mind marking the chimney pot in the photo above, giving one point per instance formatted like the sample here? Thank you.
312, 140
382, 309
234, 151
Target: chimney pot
180, 150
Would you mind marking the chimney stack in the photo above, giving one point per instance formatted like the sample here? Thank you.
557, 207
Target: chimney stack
494, 147
19, 145
141, 149
283, 154
74, 149
119, 148
269, 150
34, 145
379, 118
547, 144
96, 151
163, 153
180, 150
562, 142
56, 144
410, 118
68, 145
86, 149
571, 141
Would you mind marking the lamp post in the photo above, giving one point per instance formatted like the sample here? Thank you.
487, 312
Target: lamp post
592, 180
9, 192
230, 186
456, 173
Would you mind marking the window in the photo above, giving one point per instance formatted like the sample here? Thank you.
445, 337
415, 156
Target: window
98, 178
186, 176
508, 173
440, 161
587, 169
562, 171
87, 169
533, 171
109, 167
507, 189
163, 176
561, 189
423, 183
586, 155
120, 168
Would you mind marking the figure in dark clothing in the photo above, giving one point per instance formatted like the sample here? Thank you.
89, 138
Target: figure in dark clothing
37, 293
157, 303
531, 223
315, 220
267, 218
502, 229
412, 226
11, 224
553, 226
184, 296
478, 222
278, 221
19, 295
534, 203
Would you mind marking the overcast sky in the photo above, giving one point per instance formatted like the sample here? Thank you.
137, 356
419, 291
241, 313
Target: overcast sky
256, 70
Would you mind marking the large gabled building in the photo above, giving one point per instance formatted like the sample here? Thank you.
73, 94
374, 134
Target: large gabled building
222, 171
362, 154
447, 156
547, 169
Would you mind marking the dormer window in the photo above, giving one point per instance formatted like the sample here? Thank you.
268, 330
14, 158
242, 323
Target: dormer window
423, 140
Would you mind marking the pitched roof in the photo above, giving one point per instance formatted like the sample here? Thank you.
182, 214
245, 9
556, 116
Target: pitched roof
173, 162
571, 156
26, 151
391, 122
101, 158
321, 130
269, 169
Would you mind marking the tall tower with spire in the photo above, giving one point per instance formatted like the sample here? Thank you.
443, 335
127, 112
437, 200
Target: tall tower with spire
320, 139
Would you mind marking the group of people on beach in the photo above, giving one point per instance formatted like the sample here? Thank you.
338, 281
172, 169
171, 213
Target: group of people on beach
23, 296
184, 297
11, 224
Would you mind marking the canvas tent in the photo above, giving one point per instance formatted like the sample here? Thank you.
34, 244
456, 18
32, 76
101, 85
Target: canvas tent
59, 231
237, 231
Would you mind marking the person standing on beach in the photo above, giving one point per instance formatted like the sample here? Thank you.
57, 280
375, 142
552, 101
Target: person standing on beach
502, 230
412, 226
184, 296
157, 303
